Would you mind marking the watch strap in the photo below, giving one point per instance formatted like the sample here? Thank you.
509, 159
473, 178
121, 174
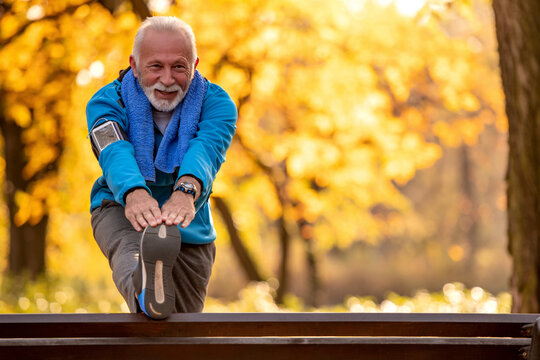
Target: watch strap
187, 188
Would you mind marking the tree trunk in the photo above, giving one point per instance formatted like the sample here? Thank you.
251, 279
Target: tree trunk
283, 274
517, 27
244, 259
468, 228
306, 233
27, 242
27, 248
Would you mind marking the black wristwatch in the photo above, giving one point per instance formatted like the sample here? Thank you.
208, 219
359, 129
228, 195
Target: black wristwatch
187, 188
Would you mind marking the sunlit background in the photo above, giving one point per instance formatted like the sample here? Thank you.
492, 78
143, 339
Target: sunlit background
367, 172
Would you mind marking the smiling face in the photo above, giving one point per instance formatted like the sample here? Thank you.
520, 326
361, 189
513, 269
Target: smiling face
164, 68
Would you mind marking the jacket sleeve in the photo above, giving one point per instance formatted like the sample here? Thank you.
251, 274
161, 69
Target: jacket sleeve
207, 149
117, 160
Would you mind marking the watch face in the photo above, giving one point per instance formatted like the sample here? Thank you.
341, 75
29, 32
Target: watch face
189, 186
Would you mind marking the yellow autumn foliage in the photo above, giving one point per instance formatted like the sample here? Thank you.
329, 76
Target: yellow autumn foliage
340, 103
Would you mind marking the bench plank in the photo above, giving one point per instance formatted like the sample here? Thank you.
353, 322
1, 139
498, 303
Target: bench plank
365, 340
264, 324
264, 348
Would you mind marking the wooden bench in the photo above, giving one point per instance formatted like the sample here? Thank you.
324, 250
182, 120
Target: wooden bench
262, 336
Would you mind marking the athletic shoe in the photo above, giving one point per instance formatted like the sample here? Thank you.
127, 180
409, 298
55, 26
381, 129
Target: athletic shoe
152, 277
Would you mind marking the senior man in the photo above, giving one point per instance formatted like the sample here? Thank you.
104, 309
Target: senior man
160, 133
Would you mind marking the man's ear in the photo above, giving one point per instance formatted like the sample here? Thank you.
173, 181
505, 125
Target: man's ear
133, 65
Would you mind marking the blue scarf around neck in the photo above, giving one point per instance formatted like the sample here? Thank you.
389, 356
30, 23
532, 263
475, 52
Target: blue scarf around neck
181, 129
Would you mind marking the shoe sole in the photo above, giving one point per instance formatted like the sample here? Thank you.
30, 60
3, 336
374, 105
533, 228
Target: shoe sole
160, 246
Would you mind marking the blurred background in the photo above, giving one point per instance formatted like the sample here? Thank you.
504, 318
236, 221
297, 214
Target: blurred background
367, 172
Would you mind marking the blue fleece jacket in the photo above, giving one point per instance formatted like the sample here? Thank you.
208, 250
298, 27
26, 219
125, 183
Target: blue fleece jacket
203, 159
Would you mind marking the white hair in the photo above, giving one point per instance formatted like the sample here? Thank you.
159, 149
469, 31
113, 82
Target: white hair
164, 24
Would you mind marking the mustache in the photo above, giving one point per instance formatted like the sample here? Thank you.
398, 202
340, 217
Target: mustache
161, 87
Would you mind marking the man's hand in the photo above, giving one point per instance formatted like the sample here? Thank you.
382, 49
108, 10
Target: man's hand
179, 209
142, 209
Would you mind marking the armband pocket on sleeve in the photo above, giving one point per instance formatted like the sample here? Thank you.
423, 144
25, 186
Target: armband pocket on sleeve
105, 134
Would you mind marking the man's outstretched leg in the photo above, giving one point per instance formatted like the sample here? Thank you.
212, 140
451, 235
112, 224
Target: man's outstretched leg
152, 278
122, 245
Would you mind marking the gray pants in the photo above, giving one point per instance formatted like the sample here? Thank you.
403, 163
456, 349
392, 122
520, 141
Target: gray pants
119, 241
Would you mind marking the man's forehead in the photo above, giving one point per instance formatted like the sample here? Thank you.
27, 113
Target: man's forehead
156, 41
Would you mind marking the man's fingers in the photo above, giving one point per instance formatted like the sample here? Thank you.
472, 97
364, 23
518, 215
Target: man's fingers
142, 209
133, 220
151, 219
134, 223
156, 213
179, 219
165, 215
141, 221
178, 210
186, 220
173, 218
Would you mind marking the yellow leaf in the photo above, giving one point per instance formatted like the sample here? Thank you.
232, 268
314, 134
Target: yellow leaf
20, 114
13, 80
9, 25
469, 102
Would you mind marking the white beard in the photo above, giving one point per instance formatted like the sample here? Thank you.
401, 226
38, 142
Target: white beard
162, 104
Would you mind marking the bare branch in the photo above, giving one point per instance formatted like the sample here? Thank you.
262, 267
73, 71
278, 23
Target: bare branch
140, 8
